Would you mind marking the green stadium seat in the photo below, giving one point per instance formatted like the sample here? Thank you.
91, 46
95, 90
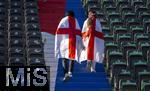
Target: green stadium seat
123, 75
137, 29
106, 3
126, 46
125, 9
141, 10
113, 55
124, 38
145, 85
146, 22
141, 37
144, 75
144, 46
139, 66
121, 3
132, 22
109, 37
133, 56
116, 67
120, 29
106, 29
128, 85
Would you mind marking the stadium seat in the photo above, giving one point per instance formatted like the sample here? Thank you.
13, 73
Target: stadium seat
16, 52
139, 66
126, 46
31, 12
144, 46
137, 29
34, 43
128, 85
109, 37
17, 61
16, 11
16, 43
36, 61
133, 56
145, 85
31, 5
124, 38
15, 27
35, 52
119, 29
16, 19
144, 75
123, 75
15, 4
141, 37
31, 19
32, 27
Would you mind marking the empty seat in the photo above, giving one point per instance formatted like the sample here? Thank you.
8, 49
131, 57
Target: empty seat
29, 12
17, 61
120, 29
16, 43
144, 46
133, 56
36, 61
15, 27
33, 35
16, 34
124, 38
15, 4
31, 5
32, 19
16, 19
126, 46
145, 85
137, 29
16, 11
141, 37
109, 37
128, 85
32, 27
123, 75
16, 52
35, 52
34, 43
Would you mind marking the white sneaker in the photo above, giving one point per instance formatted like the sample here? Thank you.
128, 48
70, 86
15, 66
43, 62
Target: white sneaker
66, 78
92, 69
70, 74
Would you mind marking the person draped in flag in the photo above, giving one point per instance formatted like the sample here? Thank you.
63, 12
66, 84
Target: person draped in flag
68, 43
93, 40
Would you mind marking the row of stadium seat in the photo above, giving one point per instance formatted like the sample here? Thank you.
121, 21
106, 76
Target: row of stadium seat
21, 43
125, 24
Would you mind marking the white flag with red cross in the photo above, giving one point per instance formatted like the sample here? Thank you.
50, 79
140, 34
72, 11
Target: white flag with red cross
93, 40
68, 41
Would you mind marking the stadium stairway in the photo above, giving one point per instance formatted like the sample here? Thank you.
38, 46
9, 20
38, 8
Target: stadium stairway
82, 80
50, 13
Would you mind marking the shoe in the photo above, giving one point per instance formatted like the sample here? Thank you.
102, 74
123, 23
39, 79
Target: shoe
92, 69
66, 78
70, 74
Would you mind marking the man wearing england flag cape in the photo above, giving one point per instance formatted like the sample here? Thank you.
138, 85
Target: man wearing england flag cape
68, 43
93, 40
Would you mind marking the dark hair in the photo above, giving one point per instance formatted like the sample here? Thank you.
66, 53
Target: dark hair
70, 13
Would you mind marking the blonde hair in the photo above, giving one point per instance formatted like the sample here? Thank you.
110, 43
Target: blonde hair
89, 22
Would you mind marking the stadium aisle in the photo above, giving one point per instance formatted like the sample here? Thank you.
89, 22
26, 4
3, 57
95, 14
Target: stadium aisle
82, 80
